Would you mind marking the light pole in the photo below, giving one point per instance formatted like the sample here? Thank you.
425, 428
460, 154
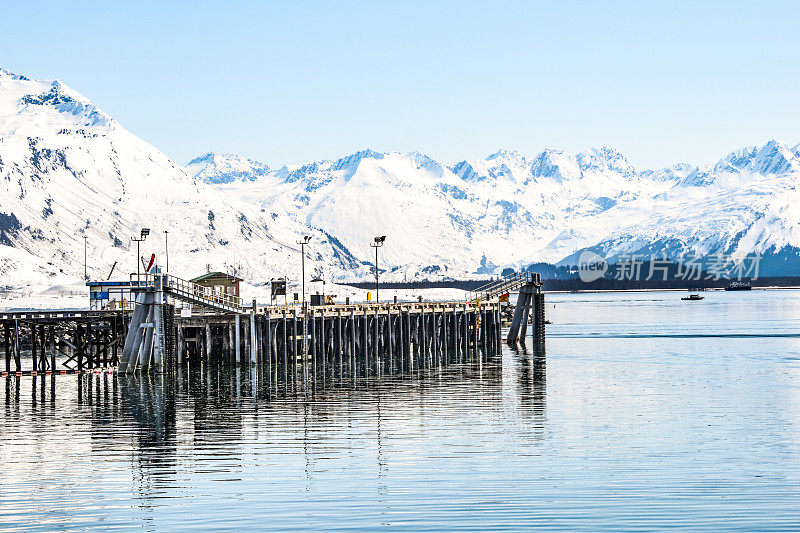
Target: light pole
166, 248
377, 244
85, 271
142, 236
302, 244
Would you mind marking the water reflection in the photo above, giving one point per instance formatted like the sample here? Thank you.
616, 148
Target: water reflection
600, 434
176, 434
530, 363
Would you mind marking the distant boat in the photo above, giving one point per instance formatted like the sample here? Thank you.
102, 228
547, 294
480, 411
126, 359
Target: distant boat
693, 297
738, 286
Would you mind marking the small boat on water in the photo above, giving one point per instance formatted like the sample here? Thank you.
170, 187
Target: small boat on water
693, 297
738, 286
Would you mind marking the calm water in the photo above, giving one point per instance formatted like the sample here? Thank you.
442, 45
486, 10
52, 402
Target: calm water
646, 413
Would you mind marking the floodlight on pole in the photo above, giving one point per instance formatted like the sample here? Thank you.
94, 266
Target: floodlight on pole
377, 243
142, 236
166, 248
85, 269
302, 242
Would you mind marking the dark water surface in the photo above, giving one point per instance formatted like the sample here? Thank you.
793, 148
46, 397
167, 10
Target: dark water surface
646, 413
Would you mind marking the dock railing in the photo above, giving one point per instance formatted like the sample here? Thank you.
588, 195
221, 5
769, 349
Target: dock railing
508, 283
188, 291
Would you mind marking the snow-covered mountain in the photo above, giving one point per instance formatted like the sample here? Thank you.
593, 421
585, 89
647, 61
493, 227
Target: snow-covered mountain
225, 168
68, 170
478, 216
746, 203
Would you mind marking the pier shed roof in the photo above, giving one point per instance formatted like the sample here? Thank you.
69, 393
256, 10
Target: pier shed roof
205, 278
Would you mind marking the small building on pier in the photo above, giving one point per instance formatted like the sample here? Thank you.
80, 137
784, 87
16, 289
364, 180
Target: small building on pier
219, 283
110, 295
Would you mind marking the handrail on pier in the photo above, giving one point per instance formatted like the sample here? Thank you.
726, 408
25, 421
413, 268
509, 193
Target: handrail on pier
508, 283
188, 291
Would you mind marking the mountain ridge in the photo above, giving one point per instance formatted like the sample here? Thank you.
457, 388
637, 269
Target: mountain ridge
68, 170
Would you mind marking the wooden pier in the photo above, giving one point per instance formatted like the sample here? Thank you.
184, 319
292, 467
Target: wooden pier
360, 340
364, 339
61, 341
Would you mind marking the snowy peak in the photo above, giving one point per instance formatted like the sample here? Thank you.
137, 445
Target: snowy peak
5, 73
556, 164
504, 155
773, 159
66, 101
225, 168
352, 161
605, 159
45, 106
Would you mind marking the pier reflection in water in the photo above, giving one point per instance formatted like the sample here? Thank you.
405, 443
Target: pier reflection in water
217, 433
666, 427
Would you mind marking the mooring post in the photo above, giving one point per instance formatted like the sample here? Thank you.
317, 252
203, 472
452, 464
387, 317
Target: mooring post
539, 311
401, 341
424, 335
454, 331
352, 354
133, 331
253, 344
476, 325
237, 338
207, 342
285, 347
312, 319
135, 336
158, 332
390, 339
52, 348
339, 344
523, 300
115, 339
227, 345
525, 318
442, 336
147, 343
34, 358
181, 345
321, 345
375, 344
7, 346
304, 344
408, 341
484, 328
268, 341
498, 333
294, 344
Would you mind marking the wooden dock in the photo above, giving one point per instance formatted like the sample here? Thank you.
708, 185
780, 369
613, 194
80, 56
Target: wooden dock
362, 340
365, 339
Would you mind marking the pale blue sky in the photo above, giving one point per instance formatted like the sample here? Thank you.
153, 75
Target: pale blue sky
299, 81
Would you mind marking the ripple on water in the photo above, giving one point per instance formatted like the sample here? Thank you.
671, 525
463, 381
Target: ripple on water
642, 415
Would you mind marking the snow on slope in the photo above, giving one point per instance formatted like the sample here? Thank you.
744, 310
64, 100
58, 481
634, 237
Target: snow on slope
225, 168
67, 170
457, 221
513, 210
745, 204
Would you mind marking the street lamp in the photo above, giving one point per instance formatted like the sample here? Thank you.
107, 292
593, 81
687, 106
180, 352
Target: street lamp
142, 236
302, 244
85, 271
166, 248
377, 244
